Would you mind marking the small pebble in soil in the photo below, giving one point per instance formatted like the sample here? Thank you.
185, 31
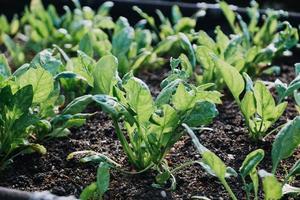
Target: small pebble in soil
163, 194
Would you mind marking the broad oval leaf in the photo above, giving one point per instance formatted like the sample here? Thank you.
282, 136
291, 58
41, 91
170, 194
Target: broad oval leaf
105, 74
201, 114
41, 80
233, 79
286, 141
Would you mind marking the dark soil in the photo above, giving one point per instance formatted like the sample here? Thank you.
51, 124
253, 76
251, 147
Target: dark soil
228, 139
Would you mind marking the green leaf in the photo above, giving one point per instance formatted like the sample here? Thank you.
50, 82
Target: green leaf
105, 74
215, 164
264, 100
176, 14
139, 99
38, 148
221, 39
149, 19
183, 99
251, 161
14, 49
42, 83
4, 67
103, 178
163, 124
204, 57
230, 15
105, 8
205, 40
88, 192
185, 24
286, 141
201, 114
69, 75
109, 105
163, 177
167, 92
248, 105
272, 188
187, 46
233, 79
78, 105
86, 44
46, 60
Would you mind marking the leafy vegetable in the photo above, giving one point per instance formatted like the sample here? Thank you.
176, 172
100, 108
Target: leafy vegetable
252, 47
285, 90
257, 105
97, 189
15, 119
272, 188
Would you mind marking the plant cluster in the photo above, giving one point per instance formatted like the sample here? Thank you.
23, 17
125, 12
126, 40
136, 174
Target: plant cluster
57, 66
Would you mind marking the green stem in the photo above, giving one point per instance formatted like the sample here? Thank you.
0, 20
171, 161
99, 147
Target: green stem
186, 164
123, 141
228, 189
279, 127
246, 189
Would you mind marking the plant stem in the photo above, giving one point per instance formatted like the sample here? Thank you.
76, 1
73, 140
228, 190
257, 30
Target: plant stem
124, 142
273, 131
186, 164
228, 189
246, 189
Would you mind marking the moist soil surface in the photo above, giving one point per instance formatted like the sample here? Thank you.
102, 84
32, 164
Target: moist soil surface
228, 138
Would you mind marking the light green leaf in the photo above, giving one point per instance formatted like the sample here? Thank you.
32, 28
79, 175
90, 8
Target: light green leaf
89, 192
86, 45
4, 67
233, 79
105, 75
272, 188
139, 98
41, 81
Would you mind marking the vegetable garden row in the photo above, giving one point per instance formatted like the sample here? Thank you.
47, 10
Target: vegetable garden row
101, 108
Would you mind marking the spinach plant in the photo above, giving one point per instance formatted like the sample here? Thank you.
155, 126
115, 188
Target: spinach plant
16, 118
153, 126
257, 104
250, 49
96, 190
41, 27
270, 39
30, 106
284, 90
286, 141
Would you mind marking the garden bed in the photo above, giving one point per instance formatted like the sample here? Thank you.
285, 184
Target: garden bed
228, 139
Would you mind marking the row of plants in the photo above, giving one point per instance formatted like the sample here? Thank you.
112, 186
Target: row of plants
85, 58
